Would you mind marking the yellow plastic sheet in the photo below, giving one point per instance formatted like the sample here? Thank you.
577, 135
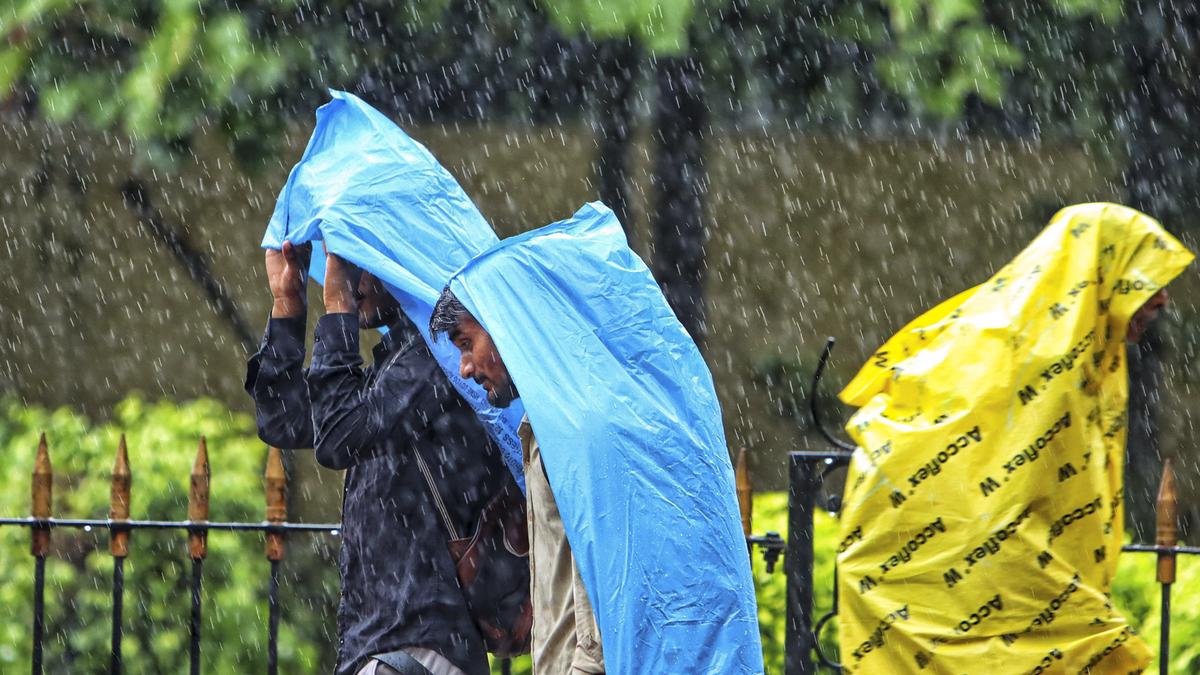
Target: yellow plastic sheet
982, 515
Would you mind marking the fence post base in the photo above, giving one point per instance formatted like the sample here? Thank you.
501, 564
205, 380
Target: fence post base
804, 481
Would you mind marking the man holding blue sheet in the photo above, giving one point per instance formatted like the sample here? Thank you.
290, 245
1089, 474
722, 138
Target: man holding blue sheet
432, 554
637, 560
419, 466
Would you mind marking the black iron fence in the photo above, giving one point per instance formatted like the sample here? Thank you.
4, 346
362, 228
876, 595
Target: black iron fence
274, 528
806, 472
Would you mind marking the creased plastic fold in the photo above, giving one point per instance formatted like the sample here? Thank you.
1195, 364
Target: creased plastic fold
380, 200
983, 509
624, 410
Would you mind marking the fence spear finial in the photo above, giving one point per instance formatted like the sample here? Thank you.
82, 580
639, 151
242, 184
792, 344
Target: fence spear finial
745, 491
118, 508
43, 492
276, 489
1167, 525
198, 502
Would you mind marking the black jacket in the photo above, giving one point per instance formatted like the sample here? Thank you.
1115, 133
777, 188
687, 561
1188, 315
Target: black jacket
398, 583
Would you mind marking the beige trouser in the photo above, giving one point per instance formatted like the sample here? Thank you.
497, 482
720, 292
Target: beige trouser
566, 639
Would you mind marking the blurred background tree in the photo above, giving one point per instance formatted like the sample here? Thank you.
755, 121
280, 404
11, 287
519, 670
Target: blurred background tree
160, 72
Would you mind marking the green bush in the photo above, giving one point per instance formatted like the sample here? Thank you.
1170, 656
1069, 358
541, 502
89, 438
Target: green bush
1139, 597
162, 440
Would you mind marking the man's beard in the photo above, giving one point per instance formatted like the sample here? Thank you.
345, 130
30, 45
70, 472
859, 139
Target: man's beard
499, 400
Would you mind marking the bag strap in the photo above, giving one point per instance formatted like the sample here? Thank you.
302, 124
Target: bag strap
403, 662
438, 503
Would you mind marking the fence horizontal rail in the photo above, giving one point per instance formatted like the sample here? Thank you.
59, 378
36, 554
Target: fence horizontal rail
807, 470
1150, 548
197, 526
332, 529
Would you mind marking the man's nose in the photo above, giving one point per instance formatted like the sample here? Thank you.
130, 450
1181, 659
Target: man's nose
465, 368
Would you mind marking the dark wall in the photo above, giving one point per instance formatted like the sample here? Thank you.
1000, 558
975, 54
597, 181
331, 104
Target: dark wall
809, 236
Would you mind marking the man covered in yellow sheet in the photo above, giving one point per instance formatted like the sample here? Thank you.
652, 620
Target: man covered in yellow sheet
982, 514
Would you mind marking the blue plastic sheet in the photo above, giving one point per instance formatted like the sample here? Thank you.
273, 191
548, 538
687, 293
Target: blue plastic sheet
380, 200
624, 410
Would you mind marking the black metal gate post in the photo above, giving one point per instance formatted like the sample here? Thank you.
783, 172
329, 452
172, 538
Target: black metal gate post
805, 480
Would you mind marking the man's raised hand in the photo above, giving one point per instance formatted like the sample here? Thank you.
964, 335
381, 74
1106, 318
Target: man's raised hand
341, 285
285, 274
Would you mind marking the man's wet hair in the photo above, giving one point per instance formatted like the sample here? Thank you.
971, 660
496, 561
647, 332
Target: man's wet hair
448, 312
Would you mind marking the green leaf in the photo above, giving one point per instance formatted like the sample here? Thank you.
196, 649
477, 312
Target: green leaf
227, 52
665, 30
419, 13
61, 101
901, 74
659, 25
158, 61
1107, 11
852, 26
20, 14
945, 14
14, 61
904, 14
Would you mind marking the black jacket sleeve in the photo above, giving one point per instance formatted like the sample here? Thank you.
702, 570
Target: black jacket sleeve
353, 415
275, 379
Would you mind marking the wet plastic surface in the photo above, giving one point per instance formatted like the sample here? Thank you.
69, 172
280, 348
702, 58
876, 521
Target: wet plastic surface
380, 200
982, 516
630, 430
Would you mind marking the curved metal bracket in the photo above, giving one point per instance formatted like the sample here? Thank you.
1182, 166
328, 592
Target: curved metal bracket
821, 656
812, 400
833, 612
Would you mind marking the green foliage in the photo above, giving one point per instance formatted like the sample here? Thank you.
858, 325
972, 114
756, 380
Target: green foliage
1105, 10
934, 53
159, 71
770, 515
162, 440
162, 72
1139, 597
661, 26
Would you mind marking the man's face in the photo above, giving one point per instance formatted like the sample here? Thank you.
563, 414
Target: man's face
376, 307
1145, 316
481, 362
